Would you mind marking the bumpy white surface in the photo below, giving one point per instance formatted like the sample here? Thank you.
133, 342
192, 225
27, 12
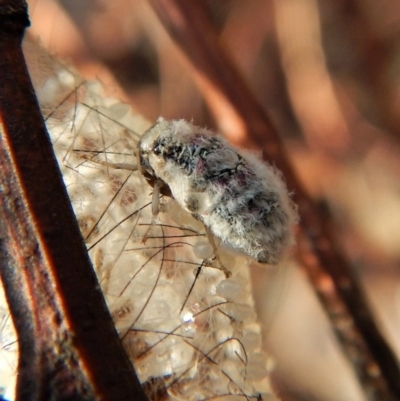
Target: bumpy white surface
190, 331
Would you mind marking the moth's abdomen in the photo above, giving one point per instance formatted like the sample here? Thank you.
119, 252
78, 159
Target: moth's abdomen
254, 223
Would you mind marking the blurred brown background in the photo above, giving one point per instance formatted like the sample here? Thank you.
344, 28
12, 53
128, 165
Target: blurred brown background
328, 73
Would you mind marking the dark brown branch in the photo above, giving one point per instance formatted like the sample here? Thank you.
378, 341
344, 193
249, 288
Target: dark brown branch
69, 349
233, 105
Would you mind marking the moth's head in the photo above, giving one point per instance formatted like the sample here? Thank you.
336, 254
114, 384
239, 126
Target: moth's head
149, 162
165, 132
146, 146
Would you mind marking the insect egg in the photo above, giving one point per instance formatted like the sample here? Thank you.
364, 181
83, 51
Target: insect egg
203, 250
241, 199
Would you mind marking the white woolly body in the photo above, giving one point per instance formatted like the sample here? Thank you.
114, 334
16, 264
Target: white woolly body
240, 198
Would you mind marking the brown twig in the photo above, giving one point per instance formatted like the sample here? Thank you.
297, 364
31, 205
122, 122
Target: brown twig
239, 115
69, 348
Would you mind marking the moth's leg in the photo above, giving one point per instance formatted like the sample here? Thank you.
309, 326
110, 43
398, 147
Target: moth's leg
210, 238
155, 203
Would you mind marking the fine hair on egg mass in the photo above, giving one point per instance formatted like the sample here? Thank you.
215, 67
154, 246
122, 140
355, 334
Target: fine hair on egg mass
239, 197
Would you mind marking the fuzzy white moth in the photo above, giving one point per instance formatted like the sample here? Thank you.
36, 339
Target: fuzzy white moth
240, 198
